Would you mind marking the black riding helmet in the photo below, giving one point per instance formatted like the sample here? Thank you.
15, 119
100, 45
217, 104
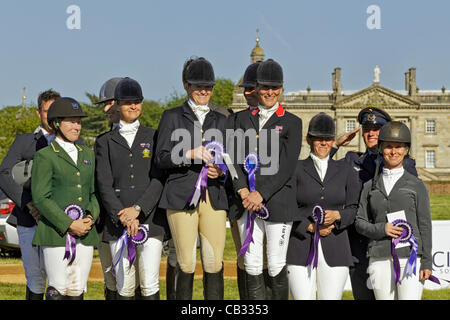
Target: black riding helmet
128, 90
269, 73
107, 90
249, 80
64, 107
321, 126
200, 72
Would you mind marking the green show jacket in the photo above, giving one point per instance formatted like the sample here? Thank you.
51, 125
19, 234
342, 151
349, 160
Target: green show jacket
56, 181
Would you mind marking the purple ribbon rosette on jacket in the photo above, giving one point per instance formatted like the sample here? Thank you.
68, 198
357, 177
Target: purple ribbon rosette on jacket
216, 149
130, 242
75, 212
406, 236
318, 214
251, 165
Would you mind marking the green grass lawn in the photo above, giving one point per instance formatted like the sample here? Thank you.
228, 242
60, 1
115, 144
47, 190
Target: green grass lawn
95, 291
440, 206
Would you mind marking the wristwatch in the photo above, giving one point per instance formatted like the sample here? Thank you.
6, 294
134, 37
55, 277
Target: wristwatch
137, 208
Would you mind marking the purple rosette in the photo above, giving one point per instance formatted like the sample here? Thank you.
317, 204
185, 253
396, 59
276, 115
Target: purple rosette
130, 242
318, 214
142, 235
216, 149
251, 165
75, 212
407, 236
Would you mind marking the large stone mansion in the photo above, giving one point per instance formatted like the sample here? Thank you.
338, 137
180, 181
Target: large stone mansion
427, 114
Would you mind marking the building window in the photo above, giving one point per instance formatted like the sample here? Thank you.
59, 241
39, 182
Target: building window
430, 126
350, 125
430, 160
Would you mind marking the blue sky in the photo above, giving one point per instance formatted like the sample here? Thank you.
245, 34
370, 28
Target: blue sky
150, 40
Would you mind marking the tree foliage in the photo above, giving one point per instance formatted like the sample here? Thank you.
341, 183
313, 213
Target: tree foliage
223, 92
15, 121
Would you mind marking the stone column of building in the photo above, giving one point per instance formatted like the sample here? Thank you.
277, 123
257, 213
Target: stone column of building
413, 128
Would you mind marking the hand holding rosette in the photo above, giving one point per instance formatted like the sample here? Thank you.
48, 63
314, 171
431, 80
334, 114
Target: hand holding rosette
406, 236
130, 242
251, 166
216, 149
75, 212
319, 218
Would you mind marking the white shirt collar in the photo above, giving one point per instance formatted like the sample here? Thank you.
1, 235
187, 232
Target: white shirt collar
267, 110
321, 165
194, 106
129, 127
67, 146
393, 172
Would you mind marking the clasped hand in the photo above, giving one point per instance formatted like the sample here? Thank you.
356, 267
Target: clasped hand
327, 227
81, 227
129, 218
251, 201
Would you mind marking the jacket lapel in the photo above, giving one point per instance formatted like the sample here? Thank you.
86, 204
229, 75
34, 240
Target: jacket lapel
190, 115
117, 137
380, 185
41, 141
332, 170
311, 170
210, 120
275, 117
253, 114
139, 138
63, 154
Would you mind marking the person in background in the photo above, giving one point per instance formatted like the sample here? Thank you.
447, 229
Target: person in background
110, 108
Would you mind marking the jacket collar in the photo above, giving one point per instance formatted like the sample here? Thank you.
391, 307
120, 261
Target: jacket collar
63, 154
117, 137
280, 112
332, 170
402, 181
190, 115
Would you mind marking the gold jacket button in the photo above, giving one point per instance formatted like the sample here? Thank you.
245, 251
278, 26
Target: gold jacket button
132, 176
79, 186
78, 173
80, 199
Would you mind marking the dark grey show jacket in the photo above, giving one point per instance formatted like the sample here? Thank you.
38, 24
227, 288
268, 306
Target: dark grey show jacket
409, 194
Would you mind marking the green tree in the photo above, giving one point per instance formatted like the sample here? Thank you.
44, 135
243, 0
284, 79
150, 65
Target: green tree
223, 92
151, 113
92, 97
15, 120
